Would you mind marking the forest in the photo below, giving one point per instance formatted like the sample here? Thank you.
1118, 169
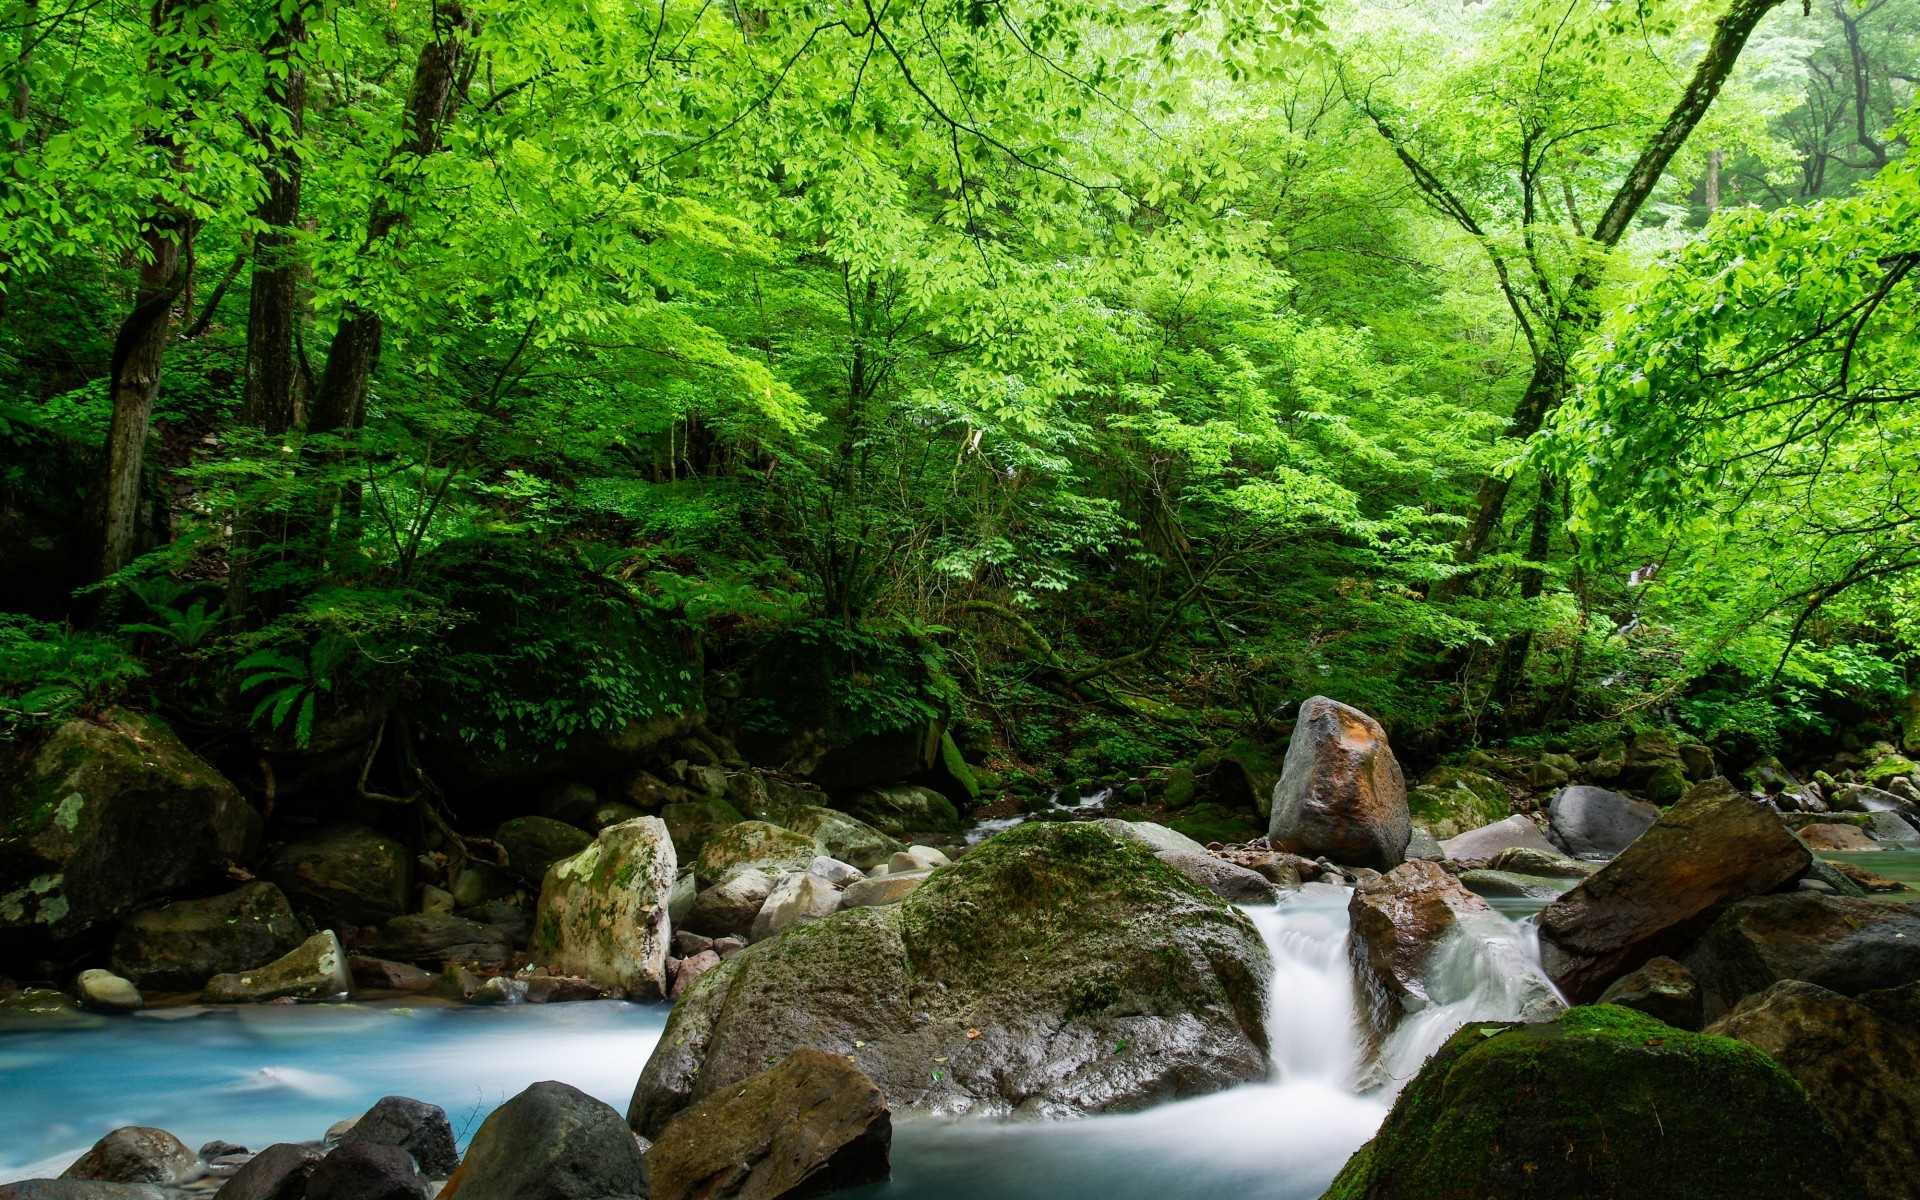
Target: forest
930, 428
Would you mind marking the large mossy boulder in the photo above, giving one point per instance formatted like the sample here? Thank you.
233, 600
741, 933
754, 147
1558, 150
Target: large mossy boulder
1712, 849
1452, 800
316, 969
1848, 945
179, 947
1859, 1068
757, 846
1057, 968
107, 815
845, 837
345, 876
692, 821
1341, 793
1600, 1102
603, 912
1245, 774
534, 844
1655, 765
903, 809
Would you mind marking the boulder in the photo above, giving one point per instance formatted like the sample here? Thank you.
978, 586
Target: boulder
835, 872
883, 889
105, 816
1889, 827
1489, 841
1154, 837
569, 801
1661, 988
1404, 923
754, 845
515, 922
419, 1128
692, 822
316, 969
1901, 1004
1831, 837
1245, 774
43, 1005
1843, 944
438, 938
1511, 885
873, 759
1452, 800
1229, 881
79, 1189
103, 991
480, 883
568, 989
1713, 848
1592, 822
901, 809
280, 1172
551, 1142
138, 1154
1600, 1102
1055, 969
1860, 1069
179, 947
951, 776
1424, 845
385, 975
798, 897
730, 906
917, 858
690, 970
365, 1171
813, 1124
1341, 793
345, 876
1861, 798
846, 838
1654, 765
603, 912
533, 844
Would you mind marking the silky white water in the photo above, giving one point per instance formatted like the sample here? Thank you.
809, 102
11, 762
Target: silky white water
283, 1073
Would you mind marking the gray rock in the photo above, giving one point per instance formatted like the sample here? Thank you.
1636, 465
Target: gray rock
314, 970
1822, 871
103, 991
686, 944
345, 876
1661, 988
691, 969
603, 913
1892, 827
730, 906
1524, 860
510, 919
365, 1171
680, 900
1341, 793
754, 846
1846, 945
279, 1172
138, 1154
478, 883
835, 872
179, 947
1510, 885
1229, 881
1154, 837
883, 889
1424, 845
845, 837
551, 1142
1592, 822
917, 858
798, 897
79, 1189
419, 1128
436, 939
1486, 842
902, 809
534, 844
1134, 984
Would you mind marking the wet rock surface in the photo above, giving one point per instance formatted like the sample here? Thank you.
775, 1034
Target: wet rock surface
1844, 944
138, 1154
1592, 822
177, 948
1661, 988
550, 1142
1341, 792
419, 1128
314, 970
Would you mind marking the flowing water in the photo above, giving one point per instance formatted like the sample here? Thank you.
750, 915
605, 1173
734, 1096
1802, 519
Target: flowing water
284, 1073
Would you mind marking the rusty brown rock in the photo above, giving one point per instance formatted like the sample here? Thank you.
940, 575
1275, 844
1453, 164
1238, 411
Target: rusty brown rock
813, 1124
1711, 849
1341, 793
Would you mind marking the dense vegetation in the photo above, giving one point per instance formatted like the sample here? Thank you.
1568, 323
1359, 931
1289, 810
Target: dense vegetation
1109, 375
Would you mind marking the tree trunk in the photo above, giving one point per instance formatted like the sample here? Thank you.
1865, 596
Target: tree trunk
1533, 579
341, 402
1713, 182
271, 400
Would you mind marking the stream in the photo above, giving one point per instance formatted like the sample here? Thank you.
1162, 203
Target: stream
285, 1073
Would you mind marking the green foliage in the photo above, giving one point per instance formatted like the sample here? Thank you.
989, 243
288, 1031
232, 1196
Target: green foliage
50, 672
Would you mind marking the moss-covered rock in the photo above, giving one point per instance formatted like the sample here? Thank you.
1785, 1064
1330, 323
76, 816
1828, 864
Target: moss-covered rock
903, 809
345, 875
755, 845
1208, 823
1245, 776
105, 816
951, 776
1094, 976
179, 947
603, 912
534, 844
316, 969
1600, 1102
845, 837
692, 822
1891, 767
1452, 800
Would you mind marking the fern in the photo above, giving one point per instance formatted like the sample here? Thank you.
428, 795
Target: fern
293, 685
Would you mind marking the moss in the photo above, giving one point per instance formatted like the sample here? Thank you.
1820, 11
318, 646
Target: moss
1206, 823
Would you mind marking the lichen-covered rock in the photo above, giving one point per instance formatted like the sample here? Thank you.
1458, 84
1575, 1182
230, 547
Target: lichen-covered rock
798, 897
105, 992
138, 1154
1452, 800
1056, 969
105, 816
1844, 944
179, 947
1592, 822
603, 912
1713, 848
316, 969
692, 822
551, 1142
813, 1124
1341, 793
846, 838
1860, 1069
1661, 988
1600, 1102
1490, 841
1403, 922
754, 845
729, 907
534, 844
903, 809
42, 1005
345, 876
